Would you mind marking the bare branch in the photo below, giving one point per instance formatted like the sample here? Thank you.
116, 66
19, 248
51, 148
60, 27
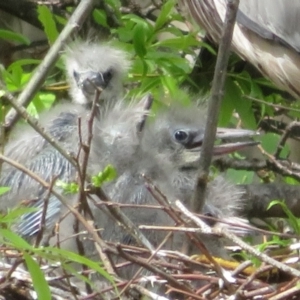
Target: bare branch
214, 105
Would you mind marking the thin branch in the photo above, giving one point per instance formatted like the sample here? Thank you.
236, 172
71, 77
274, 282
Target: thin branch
214, 105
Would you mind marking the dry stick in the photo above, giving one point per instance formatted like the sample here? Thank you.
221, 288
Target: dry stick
271, 104
278, 166
80, 14
153, 269
214, 105
148, 293
122, 218
148, 261
82, 198
288, 293
225, 233
161, 199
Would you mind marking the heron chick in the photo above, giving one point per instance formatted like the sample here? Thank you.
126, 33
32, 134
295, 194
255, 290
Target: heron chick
168, 154
86, 70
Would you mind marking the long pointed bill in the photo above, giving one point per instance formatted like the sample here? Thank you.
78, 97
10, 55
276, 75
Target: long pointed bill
232, 133
192, 153
231, 147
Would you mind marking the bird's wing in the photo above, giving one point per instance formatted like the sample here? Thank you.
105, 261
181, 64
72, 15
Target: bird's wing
277, 20
48, 164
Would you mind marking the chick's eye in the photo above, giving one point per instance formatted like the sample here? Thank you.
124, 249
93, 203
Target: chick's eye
107, 76
181, 136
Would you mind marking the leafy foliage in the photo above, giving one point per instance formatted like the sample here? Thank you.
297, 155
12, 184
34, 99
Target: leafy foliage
164, 54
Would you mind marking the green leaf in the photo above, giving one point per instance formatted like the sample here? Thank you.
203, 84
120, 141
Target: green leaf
293, 221
14, 239
100, 17
240, 177
23, 62
227, 105
46, 18
68, 188
178, 43
13, 37
242, 106
60, 20
108, 174
269, 142
139, 41
47, 100
39, 281
164, 16
17, 212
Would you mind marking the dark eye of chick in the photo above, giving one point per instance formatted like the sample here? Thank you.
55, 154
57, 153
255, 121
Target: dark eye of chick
107, 76
181, 136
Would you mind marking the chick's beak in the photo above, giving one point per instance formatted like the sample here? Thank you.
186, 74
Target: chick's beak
230, 133
89, 81
226, 134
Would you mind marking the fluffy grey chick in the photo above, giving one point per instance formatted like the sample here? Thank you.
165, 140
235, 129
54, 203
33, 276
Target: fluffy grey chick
92, 65
61, 123
175, 138
88, 65
161, 154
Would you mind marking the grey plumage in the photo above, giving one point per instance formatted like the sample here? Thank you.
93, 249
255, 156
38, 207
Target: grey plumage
45, 161
165, 153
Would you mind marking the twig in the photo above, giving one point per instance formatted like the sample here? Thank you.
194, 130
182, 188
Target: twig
206, 230
214, 105
271, 104
153, 269
284, 138
148, 261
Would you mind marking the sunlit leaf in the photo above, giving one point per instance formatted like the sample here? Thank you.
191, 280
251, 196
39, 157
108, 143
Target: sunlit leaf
46, 18
40, 284
108, 174
164, 16
13, 239
100, 17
